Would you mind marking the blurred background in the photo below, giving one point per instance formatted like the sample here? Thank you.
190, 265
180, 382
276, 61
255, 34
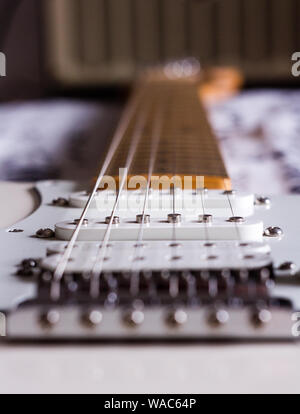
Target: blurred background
70, 65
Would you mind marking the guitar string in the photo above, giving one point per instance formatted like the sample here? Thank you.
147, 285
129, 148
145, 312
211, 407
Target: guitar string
155, 139
243, 271
173, 278
100, 258
117, 138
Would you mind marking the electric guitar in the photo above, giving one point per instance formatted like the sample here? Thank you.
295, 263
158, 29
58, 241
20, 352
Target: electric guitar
160, 246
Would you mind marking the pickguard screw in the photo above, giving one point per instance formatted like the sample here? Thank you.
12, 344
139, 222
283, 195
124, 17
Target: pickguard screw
262, 201
29, 263
273, 231
16, 231
45, 234
288, 268
60, 202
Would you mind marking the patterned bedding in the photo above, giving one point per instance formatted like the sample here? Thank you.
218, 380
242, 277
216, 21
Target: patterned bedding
259, 134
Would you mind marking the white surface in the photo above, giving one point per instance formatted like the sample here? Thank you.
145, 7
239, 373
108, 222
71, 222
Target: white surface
271, 368
150, 369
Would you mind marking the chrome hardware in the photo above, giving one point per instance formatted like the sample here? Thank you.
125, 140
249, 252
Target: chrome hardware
85, 222
236, 219
28, 268
174, 218
45, 234
140, 218
262, 201
273, 231
205, 218
177, 318
92, 318
134, 317
115, 220
261, 317
60, 202
287, 269
29, 263
218, 317
50, 318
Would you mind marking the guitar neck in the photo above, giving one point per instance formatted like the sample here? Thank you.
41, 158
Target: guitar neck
170, 113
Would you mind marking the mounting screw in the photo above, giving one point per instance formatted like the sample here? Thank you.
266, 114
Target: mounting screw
16, 231
262, 201
236, 219
177, 318
218, 317
45, 234
229, 192
60, 202
261, 317
134, 317
92, 318
50, 318
273, 231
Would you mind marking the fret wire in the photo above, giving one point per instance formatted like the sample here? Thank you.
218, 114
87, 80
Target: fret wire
117, 138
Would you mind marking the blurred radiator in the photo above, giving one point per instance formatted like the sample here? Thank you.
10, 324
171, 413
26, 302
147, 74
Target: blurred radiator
99, 41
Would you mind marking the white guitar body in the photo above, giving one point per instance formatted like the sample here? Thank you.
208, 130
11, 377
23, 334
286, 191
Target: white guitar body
192, 320
184, 368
